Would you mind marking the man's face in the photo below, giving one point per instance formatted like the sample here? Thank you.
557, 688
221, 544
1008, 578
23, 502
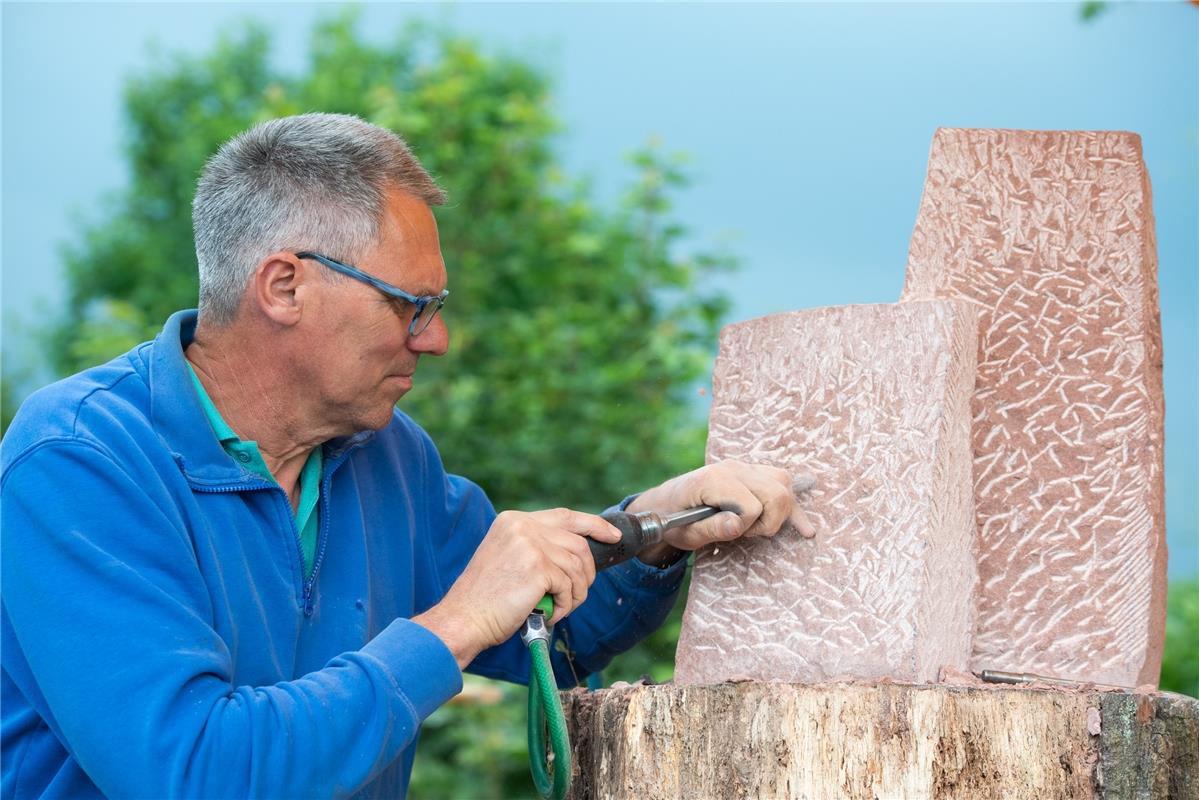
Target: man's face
364, 357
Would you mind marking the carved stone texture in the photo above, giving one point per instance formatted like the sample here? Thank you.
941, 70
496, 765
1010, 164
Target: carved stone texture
875, 400
1050, 236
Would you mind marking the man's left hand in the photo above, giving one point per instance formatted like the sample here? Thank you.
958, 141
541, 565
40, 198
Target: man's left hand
755, 500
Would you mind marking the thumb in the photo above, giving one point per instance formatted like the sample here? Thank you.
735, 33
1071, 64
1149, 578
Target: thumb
720, 527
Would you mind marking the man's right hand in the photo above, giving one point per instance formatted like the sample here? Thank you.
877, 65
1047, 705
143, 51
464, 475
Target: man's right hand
524, 556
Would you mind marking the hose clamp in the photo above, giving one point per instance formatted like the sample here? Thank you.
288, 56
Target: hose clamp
535, 629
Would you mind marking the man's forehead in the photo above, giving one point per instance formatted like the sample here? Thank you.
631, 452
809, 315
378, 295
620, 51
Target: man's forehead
410, 243
409, 217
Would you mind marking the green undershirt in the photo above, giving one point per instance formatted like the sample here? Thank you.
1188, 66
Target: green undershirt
307, 516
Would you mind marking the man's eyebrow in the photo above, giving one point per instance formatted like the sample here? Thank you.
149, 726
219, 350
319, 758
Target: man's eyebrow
420, 291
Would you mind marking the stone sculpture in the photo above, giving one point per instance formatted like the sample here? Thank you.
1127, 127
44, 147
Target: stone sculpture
1049, 235
876, 400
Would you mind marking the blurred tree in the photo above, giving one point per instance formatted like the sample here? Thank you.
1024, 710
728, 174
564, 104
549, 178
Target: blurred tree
577, 331
8, 406
475, 747
1091, 9
1180, 658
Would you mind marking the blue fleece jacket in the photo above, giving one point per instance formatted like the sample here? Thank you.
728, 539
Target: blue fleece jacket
159, 637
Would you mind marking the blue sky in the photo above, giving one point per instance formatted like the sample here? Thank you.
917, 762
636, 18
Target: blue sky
808, 127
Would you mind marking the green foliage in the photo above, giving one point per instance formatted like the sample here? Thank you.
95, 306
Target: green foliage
475, 747
8, 404
24, 348
1180, 659
653, 657
577, 331
1091, 9
129, 270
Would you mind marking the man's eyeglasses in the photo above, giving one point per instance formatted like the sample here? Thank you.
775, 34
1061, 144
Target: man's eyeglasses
426, 305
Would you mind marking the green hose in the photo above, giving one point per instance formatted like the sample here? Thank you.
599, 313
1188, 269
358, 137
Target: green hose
545, 711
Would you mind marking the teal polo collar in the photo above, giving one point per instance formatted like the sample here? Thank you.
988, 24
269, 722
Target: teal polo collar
249, 456
175, 411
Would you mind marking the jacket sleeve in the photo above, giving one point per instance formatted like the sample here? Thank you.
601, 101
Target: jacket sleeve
627, 603
102, 590
624, 605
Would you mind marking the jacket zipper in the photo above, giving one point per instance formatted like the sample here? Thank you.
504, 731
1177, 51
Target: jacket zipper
306, 583
323, 539
323, 533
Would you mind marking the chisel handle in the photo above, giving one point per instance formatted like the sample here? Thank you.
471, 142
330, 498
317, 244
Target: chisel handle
639, 531
633, 540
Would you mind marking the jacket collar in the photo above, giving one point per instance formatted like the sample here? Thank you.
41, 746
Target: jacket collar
176, 413
178, 416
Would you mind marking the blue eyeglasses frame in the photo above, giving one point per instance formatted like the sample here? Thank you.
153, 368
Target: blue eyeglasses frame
420, 302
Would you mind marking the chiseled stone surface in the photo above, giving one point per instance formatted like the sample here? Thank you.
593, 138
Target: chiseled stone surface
1050, 236
875, 400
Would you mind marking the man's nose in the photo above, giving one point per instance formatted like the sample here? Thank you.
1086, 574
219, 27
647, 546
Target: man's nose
434, 340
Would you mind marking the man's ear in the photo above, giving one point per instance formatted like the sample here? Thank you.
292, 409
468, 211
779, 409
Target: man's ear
277, 287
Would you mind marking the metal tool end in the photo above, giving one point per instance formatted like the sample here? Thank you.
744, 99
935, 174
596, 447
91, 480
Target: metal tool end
535, 628
804, 482
680, 518
997, 676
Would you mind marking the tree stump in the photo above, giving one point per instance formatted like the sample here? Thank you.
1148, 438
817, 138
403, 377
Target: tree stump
772, 740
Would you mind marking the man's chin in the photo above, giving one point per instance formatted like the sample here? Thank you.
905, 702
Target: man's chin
379, 416
377, 420
397, 388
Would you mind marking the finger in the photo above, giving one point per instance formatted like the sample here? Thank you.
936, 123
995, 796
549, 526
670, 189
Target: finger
777, 503
561, 588
781, 475
569, 554
804, 482
735, 497
722, 527
784, 497
728, 526
583, 551
579, 523
578, 559
578, 589
801, 523
566, 562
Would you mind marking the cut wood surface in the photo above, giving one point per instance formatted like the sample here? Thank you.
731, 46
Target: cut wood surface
773, 740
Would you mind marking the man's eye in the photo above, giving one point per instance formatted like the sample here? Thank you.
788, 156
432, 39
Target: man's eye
400, 306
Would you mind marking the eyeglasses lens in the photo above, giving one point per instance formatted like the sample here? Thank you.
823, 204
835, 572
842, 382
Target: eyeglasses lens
426, 315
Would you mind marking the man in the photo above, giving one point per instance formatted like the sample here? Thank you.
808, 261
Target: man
232, 568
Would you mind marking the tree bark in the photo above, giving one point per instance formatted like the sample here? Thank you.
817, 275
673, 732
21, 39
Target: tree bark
771, 740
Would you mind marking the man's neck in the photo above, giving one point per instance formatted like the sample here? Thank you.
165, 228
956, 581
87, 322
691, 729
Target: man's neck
258, 398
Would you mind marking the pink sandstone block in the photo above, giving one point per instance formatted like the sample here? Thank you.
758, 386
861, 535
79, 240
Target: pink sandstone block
1050, 236
875, 400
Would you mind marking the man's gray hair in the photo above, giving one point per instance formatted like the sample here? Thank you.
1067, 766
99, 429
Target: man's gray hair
309, 182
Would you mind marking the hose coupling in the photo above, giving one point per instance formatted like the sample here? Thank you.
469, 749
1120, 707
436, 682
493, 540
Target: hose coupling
535, 629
